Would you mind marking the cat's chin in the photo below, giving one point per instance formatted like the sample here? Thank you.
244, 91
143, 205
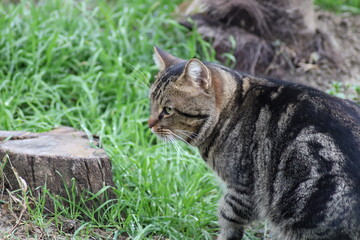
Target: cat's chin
167, 137
164, 136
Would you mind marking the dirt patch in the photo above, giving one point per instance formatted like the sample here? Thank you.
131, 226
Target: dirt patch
344, 30
15, 222
7, 219
331, 53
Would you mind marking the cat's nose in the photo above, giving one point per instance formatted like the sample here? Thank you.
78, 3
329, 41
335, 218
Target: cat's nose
152, 122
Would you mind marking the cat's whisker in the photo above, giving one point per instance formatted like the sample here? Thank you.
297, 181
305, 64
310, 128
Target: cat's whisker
180, 152
177, 146
181, 138
165, 147
188, 134
168, 146
145, 81
186, 152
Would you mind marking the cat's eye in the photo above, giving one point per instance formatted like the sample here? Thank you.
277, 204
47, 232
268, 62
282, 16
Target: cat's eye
168, 110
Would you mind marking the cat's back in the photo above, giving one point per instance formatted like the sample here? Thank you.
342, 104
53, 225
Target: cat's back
308, 150
337, 117
298, 113
313, 107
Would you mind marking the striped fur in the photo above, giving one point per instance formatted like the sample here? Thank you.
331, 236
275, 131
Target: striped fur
287, 153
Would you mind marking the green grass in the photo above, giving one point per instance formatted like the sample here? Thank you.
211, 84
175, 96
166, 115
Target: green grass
352, 6
346, 91
89, 65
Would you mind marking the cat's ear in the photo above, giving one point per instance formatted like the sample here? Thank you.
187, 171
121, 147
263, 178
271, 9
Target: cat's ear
163, 59
198, 73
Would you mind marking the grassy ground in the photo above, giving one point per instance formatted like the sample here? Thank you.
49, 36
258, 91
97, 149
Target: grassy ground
352, 6
89, 66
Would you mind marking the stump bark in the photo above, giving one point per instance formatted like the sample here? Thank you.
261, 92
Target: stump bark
53, 159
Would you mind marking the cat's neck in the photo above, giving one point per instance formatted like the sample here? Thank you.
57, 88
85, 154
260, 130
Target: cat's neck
225, 86
230, 88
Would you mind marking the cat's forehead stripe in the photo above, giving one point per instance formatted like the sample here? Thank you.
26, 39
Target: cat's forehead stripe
157, 88
166, 78
163, 82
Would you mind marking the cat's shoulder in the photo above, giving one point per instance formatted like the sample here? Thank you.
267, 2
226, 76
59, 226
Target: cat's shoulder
273, 89
303, 92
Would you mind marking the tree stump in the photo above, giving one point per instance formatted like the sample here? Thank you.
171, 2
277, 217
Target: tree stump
53, 159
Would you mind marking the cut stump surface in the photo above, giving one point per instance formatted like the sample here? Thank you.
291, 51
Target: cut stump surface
54, 158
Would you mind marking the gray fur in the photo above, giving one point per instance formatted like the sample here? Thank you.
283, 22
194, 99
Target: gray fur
287, 153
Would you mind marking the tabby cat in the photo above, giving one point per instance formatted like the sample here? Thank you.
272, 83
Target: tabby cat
287, 153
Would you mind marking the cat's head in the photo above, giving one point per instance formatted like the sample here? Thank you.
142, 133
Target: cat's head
182, 99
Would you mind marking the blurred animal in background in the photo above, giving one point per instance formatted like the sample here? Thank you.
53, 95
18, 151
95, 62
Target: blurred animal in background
266, 37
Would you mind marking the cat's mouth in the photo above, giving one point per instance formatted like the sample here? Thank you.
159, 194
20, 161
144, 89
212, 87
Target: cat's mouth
163, 134
169, 135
